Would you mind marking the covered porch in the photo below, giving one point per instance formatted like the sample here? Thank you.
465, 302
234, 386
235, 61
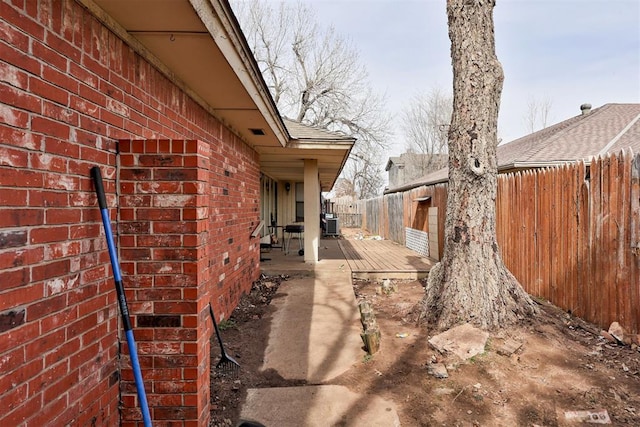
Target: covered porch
365, 259
292, 181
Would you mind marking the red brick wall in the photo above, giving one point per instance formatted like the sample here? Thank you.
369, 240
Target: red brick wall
235, 212
164, 236
69, 90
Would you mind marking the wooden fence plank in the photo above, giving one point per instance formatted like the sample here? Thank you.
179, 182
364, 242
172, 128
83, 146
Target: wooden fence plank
539, 235
561, 237
532, 276
540, 243
613, 221
519, 233
547, 196
635, 203
623, 287
535, 231
584, 264
567, 268
572, 194
578, 177
564, 266
605, 316
594, 243
633, 245
555, 243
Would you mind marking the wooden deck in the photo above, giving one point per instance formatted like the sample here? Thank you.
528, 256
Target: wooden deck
384, 259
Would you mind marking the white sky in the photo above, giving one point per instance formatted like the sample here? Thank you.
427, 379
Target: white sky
567, 51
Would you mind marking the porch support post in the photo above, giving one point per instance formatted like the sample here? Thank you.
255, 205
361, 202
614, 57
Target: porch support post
311, 210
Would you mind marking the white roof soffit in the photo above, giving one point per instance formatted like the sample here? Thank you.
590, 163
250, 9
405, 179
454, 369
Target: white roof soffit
287, 164
199, 46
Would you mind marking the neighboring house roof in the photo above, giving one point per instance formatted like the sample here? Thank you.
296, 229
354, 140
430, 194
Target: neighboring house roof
437, 177
408, 159
393, 160
607, 129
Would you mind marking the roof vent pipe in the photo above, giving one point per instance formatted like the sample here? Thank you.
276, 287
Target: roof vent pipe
585, 108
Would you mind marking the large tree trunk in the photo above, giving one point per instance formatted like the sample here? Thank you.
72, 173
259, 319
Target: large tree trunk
471, 283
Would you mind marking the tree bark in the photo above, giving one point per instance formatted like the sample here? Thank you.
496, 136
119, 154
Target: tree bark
471, 283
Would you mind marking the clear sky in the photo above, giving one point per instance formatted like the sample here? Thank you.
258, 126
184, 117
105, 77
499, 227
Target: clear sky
567, 51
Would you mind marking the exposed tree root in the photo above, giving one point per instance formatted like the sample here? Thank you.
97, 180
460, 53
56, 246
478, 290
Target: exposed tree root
489, 298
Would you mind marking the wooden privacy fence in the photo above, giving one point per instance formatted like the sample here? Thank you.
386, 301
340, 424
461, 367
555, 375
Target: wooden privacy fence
395, 224
570, 234
350, 220
373, 216
389, 215
347, 210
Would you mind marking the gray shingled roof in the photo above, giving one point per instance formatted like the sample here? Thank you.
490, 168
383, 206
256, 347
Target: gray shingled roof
441, 175
607, 129
302, 132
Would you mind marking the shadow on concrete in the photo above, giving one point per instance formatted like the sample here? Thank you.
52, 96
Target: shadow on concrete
314, 339
313, 326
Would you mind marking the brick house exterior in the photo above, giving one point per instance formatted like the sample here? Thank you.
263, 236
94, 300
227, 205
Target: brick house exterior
183, 190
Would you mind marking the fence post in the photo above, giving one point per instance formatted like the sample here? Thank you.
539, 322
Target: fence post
434, 248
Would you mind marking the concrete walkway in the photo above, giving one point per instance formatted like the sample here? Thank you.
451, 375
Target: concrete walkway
315, 336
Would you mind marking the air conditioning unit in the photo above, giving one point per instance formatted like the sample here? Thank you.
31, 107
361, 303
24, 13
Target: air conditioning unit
332, 227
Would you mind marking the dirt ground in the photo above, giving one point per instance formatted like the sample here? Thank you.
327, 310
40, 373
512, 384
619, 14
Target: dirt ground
563, 365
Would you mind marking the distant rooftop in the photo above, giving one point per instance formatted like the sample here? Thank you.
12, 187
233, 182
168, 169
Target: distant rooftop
607, 129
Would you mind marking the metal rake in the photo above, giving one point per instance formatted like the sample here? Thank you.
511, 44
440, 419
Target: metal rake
227, 364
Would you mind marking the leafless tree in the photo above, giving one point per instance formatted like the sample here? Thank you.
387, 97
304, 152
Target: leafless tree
365, 172
425, 122
537, 115
471, 283
316, 78
344, 188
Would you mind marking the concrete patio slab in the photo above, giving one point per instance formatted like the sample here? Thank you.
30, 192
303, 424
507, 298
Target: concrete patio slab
317, 406
315, 330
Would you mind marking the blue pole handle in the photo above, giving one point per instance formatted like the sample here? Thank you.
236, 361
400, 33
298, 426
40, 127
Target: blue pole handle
137, 375
122, 300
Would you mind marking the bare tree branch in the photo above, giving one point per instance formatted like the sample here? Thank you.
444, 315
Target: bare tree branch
425, 123
316, 78
537, 115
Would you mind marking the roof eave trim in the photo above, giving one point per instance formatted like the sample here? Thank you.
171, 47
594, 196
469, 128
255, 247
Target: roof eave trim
541, 164
416, 185
140, 49
268, 110
217, 16
325, 144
